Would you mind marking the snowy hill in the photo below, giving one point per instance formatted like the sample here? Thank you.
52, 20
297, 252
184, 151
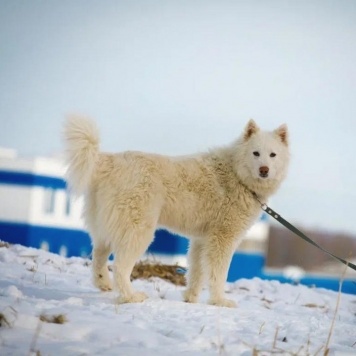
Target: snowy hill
49, 306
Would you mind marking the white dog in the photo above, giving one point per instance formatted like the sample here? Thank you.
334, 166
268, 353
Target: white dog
208, 198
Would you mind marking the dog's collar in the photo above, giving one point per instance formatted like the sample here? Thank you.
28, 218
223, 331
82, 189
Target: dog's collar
263, 205
256, 197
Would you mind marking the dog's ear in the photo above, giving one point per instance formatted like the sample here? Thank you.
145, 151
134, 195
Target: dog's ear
250, 129
282, 133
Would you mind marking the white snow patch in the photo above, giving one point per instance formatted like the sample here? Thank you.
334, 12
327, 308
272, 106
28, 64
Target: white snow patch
270, 316
11, 291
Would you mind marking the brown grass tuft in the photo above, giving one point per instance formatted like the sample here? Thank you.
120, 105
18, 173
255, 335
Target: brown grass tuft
4, 244
4, 321
313, 305
147, 270
54, 319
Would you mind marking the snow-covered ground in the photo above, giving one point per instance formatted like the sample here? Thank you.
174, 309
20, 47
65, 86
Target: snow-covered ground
270, 316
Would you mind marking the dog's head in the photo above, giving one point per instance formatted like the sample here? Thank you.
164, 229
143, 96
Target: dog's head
264, 155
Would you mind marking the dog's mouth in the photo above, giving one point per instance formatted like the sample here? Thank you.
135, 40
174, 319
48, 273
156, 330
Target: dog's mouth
263, 175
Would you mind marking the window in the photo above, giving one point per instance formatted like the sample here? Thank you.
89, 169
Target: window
49, 200
68, 204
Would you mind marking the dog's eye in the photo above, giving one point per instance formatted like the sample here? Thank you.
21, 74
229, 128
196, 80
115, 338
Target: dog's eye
256, 153
272, 154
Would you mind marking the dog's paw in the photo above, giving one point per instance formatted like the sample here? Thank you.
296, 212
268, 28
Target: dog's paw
106, 288
104, 284
136, 297
190, 297
223, 302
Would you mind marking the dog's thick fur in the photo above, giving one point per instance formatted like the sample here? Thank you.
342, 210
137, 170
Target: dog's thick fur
207, 197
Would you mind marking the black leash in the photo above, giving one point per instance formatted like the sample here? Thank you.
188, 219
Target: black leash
292, 228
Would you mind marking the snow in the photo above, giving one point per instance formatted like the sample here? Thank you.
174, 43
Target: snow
270, 316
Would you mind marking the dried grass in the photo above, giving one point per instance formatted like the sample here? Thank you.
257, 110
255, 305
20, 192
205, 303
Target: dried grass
54, 319
313, 305
327, 349
147, 270
4, 244
4, 321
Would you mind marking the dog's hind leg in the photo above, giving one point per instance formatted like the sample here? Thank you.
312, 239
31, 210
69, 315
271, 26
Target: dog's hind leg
195, 272
218, 252
101, 277
127, 251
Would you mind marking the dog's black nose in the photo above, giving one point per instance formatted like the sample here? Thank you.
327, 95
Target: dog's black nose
264, 171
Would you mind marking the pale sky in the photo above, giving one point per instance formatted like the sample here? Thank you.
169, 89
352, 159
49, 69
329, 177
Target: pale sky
177, 77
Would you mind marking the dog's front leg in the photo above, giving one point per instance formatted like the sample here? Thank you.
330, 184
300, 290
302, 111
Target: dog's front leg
218, 252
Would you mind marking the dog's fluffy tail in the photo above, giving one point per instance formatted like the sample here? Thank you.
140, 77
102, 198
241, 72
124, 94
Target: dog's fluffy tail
81, 138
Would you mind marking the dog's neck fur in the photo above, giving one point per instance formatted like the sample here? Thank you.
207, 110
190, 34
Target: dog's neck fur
263, 189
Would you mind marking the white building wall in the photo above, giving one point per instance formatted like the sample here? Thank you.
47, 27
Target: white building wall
16, 164
15, 203
52, 167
